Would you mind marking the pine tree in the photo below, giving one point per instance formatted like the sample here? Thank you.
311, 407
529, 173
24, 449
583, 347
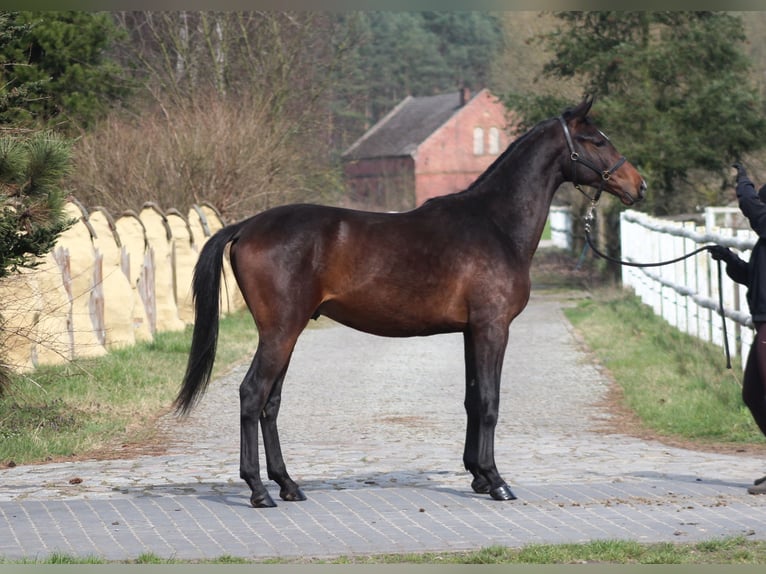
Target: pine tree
31, 204
56, 68
672, 88
31, 198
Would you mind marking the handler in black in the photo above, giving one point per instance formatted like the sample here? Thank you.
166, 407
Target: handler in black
752, 274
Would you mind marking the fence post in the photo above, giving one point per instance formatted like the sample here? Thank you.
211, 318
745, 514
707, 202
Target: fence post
76, 257
159, 237
690, 281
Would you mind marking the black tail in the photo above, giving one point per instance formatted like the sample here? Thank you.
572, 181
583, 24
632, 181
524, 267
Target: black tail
206, 287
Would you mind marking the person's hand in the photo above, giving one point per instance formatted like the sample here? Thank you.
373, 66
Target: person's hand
741, 173
720, 253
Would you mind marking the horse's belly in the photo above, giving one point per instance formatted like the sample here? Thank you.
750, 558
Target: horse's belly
392, 320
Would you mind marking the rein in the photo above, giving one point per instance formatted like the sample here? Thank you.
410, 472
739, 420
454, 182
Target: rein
590, 217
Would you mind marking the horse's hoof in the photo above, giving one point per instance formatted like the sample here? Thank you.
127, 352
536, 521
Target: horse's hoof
480, 485
295, 495
502, 492
263, 500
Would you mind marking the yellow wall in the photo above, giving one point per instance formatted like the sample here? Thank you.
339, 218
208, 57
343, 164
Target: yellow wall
108, 283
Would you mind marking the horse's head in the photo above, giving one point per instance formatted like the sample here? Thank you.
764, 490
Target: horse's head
594, 161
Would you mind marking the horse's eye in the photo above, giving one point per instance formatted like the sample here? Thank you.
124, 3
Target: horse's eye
599, 140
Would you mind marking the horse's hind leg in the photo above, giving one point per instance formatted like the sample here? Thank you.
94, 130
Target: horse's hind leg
251, 404
275, 464
266, 371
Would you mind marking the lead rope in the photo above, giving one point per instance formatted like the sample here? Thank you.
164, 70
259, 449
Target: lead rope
589, 218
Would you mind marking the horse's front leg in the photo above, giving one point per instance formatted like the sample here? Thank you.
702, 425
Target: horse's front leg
484, 351
275, 464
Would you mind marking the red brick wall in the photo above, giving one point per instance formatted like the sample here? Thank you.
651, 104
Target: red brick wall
445, 162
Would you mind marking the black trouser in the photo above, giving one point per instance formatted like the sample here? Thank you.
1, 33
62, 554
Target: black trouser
754, 380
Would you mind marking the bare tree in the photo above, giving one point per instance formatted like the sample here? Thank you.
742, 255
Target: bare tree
236, 103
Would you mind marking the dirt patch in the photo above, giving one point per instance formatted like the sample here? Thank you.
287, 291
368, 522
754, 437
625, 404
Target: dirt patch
624, 421
154, 442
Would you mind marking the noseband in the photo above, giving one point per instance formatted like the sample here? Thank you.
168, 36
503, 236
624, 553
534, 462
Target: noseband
575, 157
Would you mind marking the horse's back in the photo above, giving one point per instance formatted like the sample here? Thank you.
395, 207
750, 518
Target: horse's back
394, 274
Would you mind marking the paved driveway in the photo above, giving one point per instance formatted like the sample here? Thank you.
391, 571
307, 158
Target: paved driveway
372, 429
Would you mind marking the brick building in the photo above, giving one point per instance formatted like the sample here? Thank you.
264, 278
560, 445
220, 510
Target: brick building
424, 147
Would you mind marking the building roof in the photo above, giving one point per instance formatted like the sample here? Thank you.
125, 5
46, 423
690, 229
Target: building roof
405, 127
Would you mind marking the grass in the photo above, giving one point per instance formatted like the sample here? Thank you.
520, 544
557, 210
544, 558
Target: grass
735, 550
676, 384
547, 232
99, 405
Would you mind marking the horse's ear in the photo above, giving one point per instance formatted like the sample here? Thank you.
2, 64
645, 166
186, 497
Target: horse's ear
580, 111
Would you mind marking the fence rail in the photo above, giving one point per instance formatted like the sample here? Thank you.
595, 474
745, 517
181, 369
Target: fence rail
686, 293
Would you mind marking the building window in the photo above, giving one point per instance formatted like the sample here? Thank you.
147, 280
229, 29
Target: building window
478, 141
494, 141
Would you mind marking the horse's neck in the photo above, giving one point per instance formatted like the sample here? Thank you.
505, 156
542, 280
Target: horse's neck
519, 192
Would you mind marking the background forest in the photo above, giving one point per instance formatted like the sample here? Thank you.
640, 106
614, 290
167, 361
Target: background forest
251, 110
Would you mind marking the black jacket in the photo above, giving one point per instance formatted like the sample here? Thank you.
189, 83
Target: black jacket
752, 273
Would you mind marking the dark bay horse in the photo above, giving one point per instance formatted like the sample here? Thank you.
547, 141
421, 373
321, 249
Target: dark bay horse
458, 263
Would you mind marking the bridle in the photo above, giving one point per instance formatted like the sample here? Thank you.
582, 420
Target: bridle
589, 218
576, 158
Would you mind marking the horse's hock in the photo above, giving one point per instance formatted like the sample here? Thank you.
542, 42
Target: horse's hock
108, 283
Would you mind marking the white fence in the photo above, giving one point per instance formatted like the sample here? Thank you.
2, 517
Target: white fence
686, 293
560, 221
